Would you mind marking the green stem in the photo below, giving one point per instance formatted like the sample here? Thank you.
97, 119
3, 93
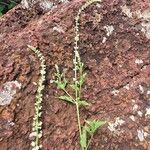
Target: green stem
37, 132
69, 95
78, 118
89, 142
80, 86
80, 92
76, 91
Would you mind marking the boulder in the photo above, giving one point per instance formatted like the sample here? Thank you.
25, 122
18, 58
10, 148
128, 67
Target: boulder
115, 48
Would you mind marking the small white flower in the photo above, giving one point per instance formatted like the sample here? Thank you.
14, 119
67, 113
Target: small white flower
76, 38
74, 79
35, 148
33, 144
33, 134
40, 116
40, 55
42, 58
40, 123
40, 135
43, 72
76, 47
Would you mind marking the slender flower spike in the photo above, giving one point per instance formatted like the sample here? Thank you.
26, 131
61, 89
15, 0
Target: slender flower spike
37, 124
75, 98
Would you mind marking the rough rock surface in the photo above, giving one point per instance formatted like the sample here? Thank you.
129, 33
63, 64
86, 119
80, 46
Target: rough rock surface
115, 47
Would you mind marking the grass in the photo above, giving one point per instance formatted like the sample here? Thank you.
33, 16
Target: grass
86, 131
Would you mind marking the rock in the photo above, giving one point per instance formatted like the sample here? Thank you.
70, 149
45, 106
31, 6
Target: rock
116, 54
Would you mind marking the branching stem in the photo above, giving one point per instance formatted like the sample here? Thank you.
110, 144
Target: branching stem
78, 81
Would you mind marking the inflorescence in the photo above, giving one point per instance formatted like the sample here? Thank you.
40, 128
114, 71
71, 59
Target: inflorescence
37, 123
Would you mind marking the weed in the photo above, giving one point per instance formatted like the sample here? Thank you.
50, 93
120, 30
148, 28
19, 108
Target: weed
37, 124
90, 127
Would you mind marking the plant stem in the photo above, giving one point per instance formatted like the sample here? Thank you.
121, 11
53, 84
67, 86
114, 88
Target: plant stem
80, 86
37, 130
89, 142
69, 95
78, 118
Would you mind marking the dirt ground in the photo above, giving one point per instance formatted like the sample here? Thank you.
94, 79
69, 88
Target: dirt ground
115, 48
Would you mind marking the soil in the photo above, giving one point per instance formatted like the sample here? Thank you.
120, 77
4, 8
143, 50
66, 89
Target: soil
116, 54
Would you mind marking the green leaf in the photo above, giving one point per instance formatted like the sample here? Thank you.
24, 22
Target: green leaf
11, 5
83, 103
83, 138
61, 85
2, 7
74, 87
65, 81
94, 125
60, 79
82, 79
81, 65
66, 98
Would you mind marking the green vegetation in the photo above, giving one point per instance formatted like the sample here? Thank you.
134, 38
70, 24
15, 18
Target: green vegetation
5, 6
87, 131
37, 124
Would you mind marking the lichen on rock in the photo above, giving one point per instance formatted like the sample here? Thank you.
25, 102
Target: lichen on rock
9, 89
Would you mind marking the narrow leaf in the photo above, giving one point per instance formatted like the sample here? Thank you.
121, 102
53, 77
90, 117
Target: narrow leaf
66, 98
2, 7
11, 5
94, 125
82, 79
83, 103
61, 85
83, 138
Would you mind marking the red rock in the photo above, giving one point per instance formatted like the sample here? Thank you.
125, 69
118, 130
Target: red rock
108, 66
